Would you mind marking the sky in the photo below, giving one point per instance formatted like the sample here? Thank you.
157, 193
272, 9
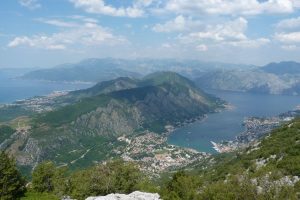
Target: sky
45, 33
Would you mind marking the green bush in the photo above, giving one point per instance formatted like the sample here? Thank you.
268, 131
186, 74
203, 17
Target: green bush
181, 186
113, 177
47, 178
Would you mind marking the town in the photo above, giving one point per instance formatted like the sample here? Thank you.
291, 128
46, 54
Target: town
154, 155
255, 128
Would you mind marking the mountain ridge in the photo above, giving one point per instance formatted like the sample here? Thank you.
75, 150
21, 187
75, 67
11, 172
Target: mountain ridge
284, 67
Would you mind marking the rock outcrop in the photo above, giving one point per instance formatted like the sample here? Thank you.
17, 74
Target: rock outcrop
133, 196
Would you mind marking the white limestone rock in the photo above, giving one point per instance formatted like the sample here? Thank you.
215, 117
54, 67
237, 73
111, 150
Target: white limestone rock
133, 196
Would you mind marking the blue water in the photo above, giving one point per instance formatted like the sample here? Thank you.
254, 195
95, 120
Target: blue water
227, 124
12, 89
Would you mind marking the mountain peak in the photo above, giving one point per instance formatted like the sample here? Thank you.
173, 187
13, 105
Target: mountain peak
162, 77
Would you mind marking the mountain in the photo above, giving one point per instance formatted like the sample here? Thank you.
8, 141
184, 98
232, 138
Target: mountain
104, 87
243, 81
255, 81
96, 70
287, 67
268, 169
87, 130
90, 70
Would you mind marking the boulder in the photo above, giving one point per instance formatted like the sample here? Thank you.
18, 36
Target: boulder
133, 196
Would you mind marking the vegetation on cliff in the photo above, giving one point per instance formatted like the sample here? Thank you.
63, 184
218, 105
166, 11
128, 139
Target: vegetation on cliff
266, 170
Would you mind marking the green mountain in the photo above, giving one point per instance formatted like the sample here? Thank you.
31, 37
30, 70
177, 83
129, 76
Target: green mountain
267, 169
87, 130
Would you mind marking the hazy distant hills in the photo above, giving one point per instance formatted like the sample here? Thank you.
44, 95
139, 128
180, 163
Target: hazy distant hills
274, 78
282, 68
108, 110
95, 70
91, 70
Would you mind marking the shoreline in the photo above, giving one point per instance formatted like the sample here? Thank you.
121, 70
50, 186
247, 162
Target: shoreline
52, 81
199, 119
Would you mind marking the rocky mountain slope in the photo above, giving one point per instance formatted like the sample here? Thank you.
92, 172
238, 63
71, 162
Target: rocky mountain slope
275, 78
88, 129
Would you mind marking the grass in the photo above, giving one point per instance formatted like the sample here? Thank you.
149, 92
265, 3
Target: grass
39, 196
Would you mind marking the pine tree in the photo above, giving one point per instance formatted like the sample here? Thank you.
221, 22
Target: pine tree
12, 184
43, 177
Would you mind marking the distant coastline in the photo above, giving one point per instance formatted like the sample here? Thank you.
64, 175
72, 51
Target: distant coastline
62, 81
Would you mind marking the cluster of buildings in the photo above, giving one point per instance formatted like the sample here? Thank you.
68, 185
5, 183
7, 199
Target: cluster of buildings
41, 103
154, 155
255, 128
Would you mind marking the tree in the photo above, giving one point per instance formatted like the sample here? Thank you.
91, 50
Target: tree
12, 184
181, 186
112, 177
43, 177
46, 177
237, 187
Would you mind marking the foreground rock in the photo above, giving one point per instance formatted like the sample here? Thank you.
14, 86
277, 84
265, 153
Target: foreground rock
133, 196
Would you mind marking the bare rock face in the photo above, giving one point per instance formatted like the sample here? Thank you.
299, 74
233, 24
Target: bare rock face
133, 196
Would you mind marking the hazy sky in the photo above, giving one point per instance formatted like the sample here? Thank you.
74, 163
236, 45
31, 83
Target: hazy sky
43, 33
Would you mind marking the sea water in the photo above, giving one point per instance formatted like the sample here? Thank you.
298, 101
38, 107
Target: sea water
228, 124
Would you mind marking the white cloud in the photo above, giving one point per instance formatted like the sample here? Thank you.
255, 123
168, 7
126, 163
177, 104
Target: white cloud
144, 3
231, 33
249, 43
201, 47
230, 7
166, 45
232, 30
292, 23
31, 4
83, 18
180, 23
100, 7
59, 23
88, 34
43, 42
296, 4
293, 37
289, 47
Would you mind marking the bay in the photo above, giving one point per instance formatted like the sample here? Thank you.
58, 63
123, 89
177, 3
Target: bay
12, 88
228, 124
